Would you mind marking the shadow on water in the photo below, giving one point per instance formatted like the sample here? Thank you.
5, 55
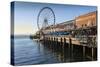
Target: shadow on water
66, 53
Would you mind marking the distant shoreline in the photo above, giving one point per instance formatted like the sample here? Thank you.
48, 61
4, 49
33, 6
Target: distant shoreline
19, 36
23, 36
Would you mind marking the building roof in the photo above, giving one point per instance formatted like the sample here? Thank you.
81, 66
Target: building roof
87, 14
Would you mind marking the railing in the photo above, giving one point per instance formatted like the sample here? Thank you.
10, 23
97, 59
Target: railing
90, 40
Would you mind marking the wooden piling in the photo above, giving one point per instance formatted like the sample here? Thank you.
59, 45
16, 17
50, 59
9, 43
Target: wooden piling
92, 53
83, 52
54, 44
64, 44
61, 44
70, 49
57, 44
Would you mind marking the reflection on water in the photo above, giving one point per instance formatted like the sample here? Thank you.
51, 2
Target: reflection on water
27, 51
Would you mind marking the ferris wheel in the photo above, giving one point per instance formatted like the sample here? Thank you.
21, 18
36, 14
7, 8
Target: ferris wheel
46, 18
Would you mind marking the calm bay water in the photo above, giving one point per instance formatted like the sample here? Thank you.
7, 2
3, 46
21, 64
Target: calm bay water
30, 52
27, 51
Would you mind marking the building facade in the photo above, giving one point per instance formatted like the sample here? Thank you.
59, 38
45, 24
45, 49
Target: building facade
86, 20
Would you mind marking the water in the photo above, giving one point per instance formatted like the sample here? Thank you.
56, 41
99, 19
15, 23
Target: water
27, 51
30, 52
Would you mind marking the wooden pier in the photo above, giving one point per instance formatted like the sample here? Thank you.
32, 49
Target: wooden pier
73, 45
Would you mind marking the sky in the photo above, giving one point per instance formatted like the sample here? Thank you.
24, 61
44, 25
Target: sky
25, 15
